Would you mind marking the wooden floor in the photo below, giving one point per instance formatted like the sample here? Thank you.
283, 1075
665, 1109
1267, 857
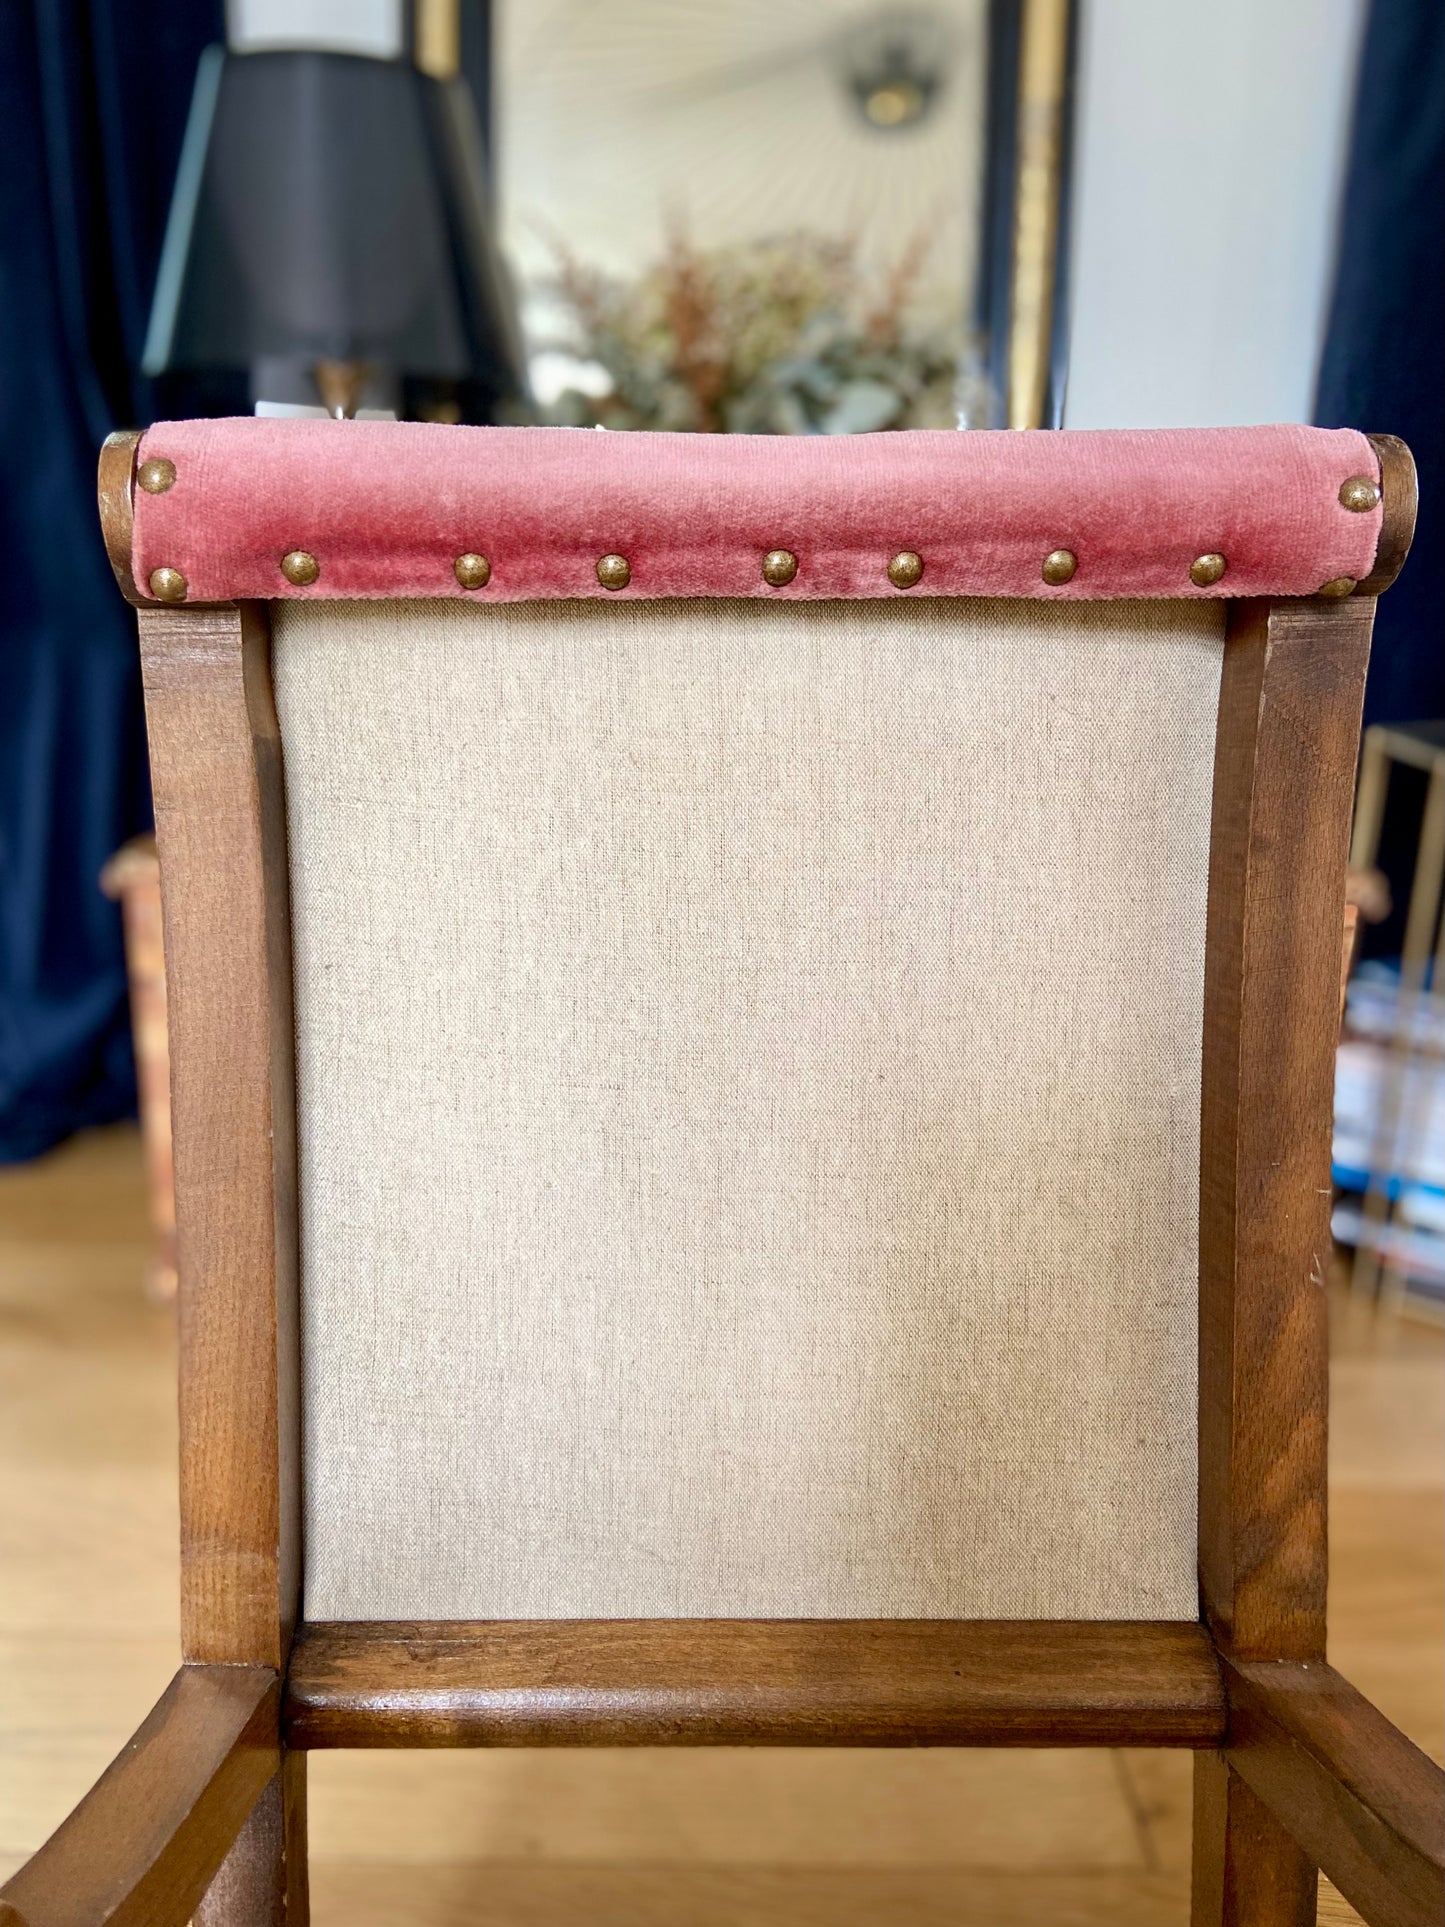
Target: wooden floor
519, 1839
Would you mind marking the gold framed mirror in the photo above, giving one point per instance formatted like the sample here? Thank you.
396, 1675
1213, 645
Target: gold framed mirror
787, 215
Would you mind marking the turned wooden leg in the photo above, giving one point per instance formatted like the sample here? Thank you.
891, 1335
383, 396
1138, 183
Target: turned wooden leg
1248, 1872
262, 1881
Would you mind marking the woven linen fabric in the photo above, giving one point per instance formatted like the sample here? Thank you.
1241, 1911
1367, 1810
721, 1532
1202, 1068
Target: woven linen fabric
749, 1065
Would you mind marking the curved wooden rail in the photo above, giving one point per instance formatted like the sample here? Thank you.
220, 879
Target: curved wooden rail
1400, 496
1367, 1806
147, 1840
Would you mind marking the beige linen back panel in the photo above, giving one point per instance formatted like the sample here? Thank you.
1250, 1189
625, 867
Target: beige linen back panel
749, 1063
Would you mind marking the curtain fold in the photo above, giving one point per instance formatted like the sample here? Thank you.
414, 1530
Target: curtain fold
93, 98
1381, 369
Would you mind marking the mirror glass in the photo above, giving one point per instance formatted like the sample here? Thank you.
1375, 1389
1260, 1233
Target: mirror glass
747, 215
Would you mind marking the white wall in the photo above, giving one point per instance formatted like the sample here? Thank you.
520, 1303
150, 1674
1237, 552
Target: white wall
1209, 156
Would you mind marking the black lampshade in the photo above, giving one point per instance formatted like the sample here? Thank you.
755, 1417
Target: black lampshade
332, 208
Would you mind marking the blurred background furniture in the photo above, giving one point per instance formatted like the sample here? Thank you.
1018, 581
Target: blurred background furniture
132, 878
1390, 1090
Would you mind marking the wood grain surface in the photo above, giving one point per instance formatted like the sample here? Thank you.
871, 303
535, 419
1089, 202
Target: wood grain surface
145, 1842
1365, 1804
220, 827
1288, 737
1246, 1870
1399, 493
754, 1682
263, 1881
115, 484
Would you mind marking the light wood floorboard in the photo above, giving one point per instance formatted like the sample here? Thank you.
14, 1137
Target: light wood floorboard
88, 1638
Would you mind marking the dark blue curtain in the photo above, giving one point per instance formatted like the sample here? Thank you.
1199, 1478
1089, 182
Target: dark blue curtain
93, 100
1385, 347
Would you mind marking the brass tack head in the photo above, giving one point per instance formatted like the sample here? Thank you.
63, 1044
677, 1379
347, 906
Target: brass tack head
168, 585
300, 568
905, 569
1059, 567
1205, 570
1336, 586
472, 571
1359, 494
614, 572
156, 475
779, 567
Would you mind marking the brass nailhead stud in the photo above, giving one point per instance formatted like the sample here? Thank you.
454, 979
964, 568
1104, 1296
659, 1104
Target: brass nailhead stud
168, 585
1059, 567
300, 568
779, 567
1336, 586
614, 572
1359, 494
472, 571
1205, 570
156, 475
905, 569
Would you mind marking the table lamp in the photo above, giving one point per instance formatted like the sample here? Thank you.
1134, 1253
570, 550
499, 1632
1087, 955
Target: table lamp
329, 234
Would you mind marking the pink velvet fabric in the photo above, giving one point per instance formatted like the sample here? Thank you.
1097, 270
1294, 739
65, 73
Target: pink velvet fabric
386, 507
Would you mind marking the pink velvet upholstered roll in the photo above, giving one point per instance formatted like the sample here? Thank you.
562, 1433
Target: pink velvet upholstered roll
387, 507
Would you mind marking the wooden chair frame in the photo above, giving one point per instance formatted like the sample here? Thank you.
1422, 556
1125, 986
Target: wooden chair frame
204, 1811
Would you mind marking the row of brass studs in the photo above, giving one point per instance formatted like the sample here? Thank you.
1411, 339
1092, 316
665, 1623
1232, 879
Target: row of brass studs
615, 572
780, 566
155, 476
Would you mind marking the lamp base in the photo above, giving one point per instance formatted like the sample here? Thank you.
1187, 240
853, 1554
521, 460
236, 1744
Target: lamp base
340, 387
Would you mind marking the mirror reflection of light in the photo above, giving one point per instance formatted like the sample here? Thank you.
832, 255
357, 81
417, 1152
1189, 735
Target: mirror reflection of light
896, 63
895, 104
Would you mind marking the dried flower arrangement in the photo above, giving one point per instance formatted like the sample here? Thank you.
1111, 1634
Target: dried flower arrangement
783, 336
